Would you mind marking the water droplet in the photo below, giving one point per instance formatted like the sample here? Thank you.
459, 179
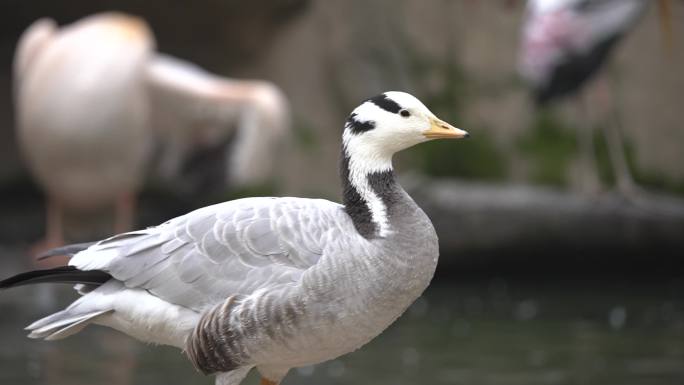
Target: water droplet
474, 306
460, 328
306, 371
667, 311
526, 310
34, 367
498, 288
617, 317
537, 358
442, 314
336, 369
410, 356
419, 308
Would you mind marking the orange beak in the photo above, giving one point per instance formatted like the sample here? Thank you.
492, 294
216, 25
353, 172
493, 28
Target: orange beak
442, 130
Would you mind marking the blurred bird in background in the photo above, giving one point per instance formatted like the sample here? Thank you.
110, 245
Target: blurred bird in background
82, 114
194, 111
565, 43
92, 98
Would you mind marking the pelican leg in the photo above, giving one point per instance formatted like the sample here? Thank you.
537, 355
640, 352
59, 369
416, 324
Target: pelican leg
173, 153
124, 212
266, 381
616, 150
624, 180
54, 235
589, 178
54, 215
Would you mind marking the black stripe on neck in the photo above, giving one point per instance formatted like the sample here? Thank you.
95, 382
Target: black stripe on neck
385, 103
382, 183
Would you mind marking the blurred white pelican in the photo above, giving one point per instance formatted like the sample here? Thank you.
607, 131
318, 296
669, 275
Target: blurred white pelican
81, 108
92, 96
564, 44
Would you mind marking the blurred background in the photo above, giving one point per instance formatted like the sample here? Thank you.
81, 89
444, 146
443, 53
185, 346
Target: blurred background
551, 271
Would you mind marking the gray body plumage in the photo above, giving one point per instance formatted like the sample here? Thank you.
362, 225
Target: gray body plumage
270, 277
355, 290
268, 282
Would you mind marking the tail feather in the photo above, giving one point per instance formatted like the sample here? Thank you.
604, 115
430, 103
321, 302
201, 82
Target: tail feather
46, 320
79, 314
62, 274
74, 327
68, 250
55, 320
63, 324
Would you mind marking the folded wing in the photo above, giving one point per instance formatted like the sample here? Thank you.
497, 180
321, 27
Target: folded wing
235, 247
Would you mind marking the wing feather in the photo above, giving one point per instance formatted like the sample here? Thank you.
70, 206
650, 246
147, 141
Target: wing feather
231, 248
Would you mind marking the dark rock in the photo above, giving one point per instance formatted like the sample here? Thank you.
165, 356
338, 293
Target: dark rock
504, 227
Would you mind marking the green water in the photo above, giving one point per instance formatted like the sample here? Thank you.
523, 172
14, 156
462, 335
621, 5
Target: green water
484, 332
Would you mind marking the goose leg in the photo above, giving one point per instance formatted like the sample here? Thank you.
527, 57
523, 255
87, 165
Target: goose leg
234, 377
124, 212
271, 375
120, 372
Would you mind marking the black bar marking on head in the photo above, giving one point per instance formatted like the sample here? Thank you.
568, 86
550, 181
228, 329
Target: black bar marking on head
385, 103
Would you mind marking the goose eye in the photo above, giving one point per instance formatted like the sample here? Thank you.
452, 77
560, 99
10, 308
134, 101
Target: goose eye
405, 113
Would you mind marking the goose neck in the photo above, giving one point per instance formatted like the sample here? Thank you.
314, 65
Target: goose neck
369, 191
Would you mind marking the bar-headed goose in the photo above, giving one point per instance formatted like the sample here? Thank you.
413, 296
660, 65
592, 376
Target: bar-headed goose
271, 283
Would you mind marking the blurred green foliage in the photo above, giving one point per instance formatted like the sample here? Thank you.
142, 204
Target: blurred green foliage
651, 179
305, 136
478, 158
550, 145
260, 190
605, 167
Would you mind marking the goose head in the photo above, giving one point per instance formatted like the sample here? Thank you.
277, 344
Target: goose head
374, 132
391, 122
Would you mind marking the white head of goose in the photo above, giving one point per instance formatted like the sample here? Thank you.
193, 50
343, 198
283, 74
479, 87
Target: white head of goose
376, 130
271, 283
